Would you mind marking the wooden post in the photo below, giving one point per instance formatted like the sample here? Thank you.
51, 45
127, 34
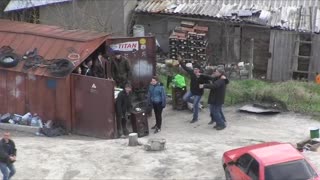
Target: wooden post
251, 58
133, 139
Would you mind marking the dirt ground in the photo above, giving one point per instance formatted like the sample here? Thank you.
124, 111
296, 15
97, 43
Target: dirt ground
193, 151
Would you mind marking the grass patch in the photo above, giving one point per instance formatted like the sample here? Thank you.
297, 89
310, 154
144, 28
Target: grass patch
300, 97
297, 96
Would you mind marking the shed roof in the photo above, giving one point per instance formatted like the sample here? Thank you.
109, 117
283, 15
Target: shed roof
23, 4
274, 13
52, 42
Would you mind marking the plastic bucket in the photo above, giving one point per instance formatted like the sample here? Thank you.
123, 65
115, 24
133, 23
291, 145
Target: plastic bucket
138, 31
314, 132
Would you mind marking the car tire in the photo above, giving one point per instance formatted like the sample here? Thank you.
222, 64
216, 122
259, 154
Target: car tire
9, 60
227, 174
61, 67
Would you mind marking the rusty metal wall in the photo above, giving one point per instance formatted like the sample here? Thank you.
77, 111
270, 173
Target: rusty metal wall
49, 97
142, 61
93, 110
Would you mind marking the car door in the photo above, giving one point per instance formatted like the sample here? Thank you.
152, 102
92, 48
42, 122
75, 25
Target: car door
240, 169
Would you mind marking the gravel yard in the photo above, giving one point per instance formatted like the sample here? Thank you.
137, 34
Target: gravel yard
193, 151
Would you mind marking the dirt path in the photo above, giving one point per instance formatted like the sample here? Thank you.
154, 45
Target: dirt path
193, 150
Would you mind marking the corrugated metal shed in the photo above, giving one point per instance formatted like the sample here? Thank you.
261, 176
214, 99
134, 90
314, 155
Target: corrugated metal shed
23, 4
283, 14
51, 42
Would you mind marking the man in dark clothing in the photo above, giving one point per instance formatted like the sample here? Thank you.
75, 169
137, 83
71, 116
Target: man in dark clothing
87, 68
98, 70
123, 108
216, 98
100, 66
8, 154
121, 71
194, 91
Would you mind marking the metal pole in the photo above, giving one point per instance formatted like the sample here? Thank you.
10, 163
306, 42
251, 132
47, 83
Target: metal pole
251, 59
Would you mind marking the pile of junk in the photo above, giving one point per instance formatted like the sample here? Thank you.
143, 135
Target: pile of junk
312, 143
49, 128
32, 61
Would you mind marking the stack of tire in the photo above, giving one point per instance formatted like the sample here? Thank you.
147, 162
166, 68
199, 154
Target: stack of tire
61, 67
8, 59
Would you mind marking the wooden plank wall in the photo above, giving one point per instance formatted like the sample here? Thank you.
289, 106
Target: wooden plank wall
49, 97
282, 52
261, 38
315, 57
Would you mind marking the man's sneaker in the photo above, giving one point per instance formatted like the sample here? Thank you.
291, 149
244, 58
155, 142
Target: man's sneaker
154, 127
220, 127
211, 122
215, 126
194, 120
157, 130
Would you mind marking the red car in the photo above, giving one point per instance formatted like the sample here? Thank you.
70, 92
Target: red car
267, 161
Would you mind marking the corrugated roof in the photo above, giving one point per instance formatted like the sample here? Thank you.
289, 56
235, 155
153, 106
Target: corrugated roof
23, 4
283, 14
52, 42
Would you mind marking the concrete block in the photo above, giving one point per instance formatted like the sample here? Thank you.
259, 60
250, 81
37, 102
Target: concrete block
20, 128
155, 145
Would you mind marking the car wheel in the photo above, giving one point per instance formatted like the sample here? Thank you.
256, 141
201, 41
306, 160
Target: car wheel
227, 173
8, 60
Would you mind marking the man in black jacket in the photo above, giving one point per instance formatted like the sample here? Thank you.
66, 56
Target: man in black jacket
216, 98
123, 107
8, 153
194, 91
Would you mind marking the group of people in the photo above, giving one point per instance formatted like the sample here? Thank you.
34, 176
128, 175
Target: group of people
156, 100
216, 81
98, 66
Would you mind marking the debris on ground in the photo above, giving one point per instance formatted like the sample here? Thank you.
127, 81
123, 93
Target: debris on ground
49, 128
309, 145
155, 144
258, 109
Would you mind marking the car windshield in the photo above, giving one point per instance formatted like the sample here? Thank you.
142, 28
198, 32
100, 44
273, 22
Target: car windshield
293, 170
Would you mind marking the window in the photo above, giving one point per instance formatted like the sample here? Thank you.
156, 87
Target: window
293, 170
243, 162
253, 171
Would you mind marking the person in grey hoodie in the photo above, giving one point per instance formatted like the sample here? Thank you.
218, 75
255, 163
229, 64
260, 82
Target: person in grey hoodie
157, 99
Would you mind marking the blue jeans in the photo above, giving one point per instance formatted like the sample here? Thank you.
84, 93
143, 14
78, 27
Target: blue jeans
196, 100
217, 114
5, 168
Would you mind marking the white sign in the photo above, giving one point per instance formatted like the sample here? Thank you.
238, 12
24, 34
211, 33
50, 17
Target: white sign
126, 46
